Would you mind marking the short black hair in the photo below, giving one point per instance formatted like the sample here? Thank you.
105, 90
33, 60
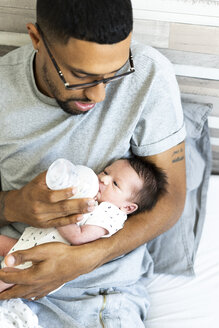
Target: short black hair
100, 21
154, 183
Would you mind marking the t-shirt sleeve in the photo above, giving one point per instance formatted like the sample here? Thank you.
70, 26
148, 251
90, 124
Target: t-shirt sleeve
161, 124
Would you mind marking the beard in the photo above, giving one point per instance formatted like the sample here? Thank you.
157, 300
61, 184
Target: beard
66, 105
67, 108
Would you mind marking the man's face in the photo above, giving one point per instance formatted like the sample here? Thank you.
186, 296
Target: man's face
80, 62
119, 184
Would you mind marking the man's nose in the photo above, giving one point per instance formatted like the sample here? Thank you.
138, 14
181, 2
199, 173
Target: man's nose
97, 93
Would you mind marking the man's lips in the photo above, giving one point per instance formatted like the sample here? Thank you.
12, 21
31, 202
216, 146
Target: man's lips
84, 106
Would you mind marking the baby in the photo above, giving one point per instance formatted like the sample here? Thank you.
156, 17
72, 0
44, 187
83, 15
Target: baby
126, 186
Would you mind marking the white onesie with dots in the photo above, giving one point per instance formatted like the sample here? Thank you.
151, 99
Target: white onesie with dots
106, 215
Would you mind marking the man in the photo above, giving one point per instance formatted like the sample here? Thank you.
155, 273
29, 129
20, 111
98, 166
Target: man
63, 101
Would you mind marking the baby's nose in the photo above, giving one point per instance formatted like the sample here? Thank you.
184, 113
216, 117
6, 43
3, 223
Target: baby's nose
105, 179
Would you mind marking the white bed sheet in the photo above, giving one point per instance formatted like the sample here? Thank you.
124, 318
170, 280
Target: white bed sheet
181, 302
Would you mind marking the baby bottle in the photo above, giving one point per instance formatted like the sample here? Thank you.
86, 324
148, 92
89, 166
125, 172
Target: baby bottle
64, 174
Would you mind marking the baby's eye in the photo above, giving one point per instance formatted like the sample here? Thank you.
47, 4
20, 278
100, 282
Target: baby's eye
115, 183
105, 172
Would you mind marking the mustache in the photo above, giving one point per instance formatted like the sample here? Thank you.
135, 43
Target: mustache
85, 100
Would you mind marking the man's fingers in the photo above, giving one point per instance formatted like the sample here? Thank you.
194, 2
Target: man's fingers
50, 196
68, 207
8, 269
17, 291
14, 277
54, 196
61, 197
13, 292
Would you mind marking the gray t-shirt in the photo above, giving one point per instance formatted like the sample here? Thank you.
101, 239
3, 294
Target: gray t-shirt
141, 114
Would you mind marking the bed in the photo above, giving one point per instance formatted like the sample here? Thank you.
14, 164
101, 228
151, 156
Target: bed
191, 302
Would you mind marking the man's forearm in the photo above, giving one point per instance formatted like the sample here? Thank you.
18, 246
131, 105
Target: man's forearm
3, 220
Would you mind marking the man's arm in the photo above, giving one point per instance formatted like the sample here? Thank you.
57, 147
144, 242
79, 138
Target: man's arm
72, 261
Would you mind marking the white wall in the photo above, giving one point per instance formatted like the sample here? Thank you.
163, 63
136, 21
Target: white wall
203, 12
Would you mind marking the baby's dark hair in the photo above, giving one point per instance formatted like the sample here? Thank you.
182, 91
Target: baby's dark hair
154, 183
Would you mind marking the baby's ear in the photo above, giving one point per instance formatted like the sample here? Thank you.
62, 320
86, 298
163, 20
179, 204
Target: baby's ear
129, 208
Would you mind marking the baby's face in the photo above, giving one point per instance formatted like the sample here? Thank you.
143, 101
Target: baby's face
119, 184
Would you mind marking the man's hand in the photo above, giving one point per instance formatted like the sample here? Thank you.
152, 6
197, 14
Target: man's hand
53, 265
38, 206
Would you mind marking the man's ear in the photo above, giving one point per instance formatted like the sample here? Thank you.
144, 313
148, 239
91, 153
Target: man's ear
34, 35
129, 208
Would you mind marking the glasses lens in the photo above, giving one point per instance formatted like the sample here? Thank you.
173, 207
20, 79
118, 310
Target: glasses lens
114, 79
93, 84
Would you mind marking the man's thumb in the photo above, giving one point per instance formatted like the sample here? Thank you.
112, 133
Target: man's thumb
17, 258
9, 260
27, 256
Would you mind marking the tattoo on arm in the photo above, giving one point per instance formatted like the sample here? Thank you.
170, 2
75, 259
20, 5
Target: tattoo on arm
178, 155
3, 220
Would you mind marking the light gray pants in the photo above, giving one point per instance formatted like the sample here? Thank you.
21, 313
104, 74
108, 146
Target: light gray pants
124, 307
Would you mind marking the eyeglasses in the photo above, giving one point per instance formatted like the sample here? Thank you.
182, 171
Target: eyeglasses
90, 84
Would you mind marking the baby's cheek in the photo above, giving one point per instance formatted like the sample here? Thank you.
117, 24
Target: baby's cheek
104, 196
98, 197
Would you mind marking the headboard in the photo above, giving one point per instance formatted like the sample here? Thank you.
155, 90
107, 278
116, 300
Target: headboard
185, 31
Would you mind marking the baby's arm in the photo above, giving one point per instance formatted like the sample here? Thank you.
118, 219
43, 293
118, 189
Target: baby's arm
6, 243
77, 235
